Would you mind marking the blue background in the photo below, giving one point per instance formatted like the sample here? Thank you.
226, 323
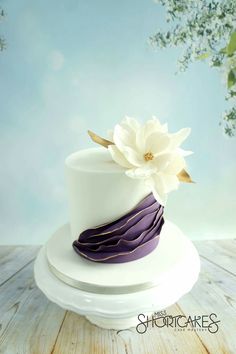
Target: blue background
77, 65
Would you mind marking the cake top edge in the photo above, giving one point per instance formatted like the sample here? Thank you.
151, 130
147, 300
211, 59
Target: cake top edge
94, 160
145, 151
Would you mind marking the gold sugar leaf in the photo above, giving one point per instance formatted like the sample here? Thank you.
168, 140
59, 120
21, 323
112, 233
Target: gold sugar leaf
99, 140
183, 176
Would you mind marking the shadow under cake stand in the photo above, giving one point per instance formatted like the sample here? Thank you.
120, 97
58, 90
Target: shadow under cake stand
113, 295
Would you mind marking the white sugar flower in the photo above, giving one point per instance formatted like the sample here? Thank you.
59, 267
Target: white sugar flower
150, 153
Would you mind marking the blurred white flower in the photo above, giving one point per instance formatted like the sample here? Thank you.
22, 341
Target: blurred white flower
149, 152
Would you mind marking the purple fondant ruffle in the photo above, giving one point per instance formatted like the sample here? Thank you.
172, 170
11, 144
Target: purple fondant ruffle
132, 236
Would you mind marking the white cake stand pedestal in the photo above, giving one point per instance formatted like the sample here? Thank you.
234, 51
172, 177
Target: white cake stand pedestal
113, 295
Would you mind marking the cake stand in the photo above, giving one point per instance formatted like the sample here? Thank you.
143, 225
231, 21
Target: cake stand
113, 295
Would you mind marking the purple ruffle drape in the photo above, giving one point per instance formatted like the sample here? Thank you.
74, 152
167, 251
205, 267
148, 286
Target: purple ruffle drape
132, 236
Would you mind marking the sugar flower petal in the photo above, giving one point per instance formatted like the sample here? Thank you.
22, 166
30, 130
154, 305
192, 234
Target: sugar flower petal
118, 157
171, 183
122, 137
179, 137
141, 172
183, 152
161, 161
156, 185
132, 156
157, 142
175, 164
149, 152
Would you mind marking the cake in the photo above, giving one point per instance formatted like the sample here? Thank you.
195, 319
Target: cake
117, 192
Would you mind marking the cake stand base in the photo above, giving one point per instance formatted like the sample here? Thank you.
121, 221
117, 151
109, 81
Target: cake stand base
116, 303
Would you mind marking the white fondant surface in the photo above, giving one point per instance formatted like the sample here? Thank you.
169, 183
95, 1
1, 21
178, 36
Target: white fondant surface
154, 268
98, 190
96, 160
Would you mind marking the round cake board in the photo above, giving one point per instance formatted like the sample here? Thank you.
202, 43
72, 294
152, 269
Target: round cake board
112, 295
153, 269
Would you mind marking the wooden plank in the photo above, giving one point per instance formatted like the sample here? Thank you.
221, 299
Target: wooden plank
14, 258
32, 324
215, 292
77, 336
164, 340
29, 322
220, 252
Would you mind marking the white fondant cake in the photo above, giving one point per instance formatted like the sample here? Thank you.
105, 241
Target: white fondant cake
116, 199
99, 190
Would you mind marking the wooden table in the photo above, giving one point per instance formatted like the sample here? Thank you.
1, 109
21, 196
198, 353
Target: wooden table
29, 323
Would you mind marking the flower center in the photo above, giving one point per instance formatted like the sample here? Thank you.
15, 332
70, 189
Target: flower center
148, 156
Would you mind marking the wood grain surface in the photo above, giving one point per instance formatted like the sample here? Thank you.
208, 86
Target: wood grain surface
31, 324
